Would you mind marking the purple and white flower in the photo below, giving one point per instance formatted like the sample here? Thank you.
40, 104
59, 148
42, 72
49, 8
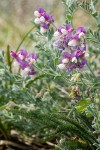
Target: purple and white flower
73, 45
43, 19
74, 60
25, 61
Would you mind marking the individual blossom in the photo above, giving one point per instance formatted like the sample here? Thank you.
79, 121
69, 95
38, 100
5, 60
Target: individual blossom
28, 71
75, 60
32, 58
25, 61
43, 19
81, 31
77, 37
62, 31
21, 55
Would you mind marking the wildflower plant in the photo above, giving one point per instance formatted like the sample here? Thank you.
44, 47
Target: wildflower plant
60, 104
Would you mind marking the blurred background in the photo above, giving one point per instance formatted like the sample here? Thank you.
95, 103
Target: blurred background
16, 17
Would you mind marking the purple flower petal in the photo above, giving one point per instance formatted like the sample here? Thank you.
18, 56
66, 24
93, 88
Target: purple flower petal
79, 54
23, 53
84, 61
33, 56
41, 10
13, 54
44, 25
66, 55
60, 59
23, 64
32, 72
59, 45
46, 16
52, 19
83, 47
69, 28
75, 36
80, 29
71, 67
59, 29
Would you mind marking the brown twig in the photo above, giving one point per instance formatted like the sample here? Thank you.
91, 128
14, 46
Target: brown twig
10, 143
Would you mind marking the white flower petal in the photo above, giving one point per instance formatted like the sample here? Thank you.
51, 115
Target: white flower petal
64, 31
56, 33
73, 43
74, 59
37, 14
86, 54
42, 19
42, 30
37, 21
81, 35
23, 73
32, 60
16, 64
21, 56
61, 66
65, 61
27, 69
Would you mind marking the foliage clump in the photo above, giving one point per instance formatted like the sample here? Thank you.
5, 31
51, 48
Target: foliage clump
54, 98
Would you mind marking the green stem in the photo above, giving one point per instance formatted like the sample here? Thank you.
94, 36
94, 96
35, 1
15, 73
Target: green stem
23, 39
3, 131
54, 26
8, 58
91, 70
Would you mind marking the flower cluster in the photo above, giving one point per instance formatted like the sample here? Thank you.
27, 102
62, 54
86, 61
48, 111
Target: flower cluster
43, 19
25, 61
73, 46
